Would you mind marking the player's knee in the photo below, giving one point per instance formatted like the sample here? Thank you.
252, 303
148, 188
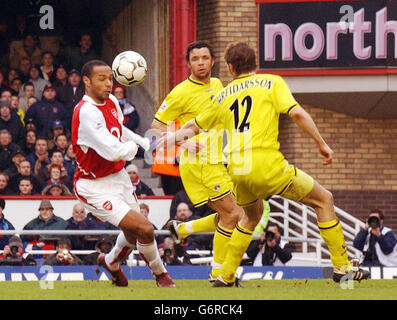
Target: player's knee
146, 231
327, 199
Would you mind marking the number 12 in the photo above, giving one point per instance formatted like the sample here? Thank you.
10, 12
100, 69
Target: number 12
247, 103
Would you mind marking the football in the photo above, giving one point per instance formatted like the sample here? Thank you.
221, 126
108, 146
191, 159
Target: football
129, 68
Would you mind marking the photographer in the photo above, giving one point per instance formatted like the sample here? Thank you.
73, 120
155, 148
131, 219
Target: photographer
13, 254
168, 255
63, 256
377, 242
269, 249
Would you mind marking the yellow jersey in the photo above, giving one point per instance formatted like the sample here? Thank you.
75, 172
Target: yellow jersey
249, 108
185, 101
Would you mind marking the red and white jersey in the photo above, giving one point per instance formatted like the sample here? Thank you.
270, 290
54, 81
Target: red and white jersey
96, 137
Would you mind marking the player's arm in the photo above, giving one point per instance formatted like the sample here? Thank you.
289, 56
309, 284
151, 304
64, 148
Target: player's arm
129, 135
93, 133
305, 122
286, 103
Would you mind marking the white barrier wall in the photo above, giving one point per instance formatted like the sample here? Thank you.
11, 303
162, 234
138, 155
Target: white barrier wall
20, 212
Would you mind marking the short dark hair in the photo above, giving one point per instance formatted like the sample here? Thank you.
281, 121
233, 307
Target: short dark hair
27, 84
47, 52
64, 241
378, 211
241, 56
15, 79
25, 178
272, 224
86, 70
198, 45
2, 203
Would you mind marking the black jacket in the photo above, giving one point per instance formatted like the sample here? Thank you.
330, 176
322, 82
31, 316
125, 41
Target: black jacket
16, 128
70, 99
269, 255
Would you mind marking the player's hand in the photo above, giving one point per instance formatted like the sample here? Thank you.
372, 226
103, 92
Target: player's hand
145, 144
327, 153
133, 149
166, 141
192, 146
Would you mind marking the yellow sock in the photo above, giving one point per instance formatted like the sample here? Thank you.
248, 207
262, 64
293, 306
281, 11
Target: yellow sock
331, 232
238, 244
205, 224
220, 242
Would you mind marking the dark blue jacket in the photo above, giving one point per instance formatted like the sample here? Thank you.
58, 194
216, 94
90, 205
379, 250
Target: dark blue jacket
43, 113
5, 225
386, 242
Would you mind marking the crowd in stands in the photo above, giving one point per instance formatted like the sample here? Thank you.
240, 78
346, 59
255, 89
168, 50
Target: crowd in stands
39, 89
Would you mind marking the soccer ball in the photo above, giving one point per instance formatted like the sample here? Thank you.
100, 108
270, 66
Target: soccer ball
129, 68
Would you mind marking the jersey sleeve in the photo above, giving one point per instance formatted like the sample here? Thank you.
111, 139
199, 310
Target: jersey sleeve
170, 109
209, 117
92, 133
284, 100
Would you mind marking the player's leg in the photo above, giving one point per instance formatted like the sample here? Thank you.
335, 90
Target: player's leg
239, 242
305, 189
229, 214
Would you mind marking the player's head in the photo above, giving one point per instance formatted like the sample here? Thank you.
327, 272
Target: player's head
98, 80
240, 58
200, 59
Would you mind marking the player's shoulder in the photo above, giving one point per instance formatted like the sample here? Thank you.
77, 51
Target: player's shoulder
86, 107
216, 80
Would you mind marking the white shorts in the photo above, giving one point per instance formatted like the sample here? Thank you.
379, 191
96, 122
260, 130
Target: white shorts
108, 198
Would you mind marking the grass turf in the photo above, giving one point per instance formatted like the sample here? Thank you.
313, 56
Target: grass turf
291, 289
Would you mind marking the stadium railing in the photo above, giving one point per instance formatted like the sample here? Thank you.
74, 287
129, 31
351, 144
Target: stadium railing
205, 255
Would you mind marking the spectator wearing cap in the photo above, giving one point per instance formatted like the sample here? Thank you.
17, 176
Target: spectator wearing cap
46, 220
71, 94
61, 76
11, 122
131, 117
25, 171
57, 129
27, 92
46, 111
140, 188
14, 255
47, 66
78, 56
56, 189
17, 157
38, 82
7, 147
4, 225
103, 245
4, 188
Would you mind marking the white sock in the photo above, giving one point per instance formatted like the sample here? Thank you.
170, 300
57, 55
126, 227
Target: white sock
119, 252
150, 254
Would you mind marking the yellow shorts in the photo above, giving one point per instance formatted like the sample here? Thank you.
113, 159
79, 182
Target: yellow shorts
269, 174
204, 182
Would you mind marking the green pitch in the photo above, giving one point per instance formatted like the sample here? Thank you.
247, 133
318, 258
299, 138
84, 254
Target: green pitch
201, 290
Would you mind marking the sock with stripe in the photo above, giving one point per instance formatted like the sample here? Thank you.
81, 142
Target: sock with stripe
150, 253
331, 232
220, 245
238, 244
119, 252
205, 224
